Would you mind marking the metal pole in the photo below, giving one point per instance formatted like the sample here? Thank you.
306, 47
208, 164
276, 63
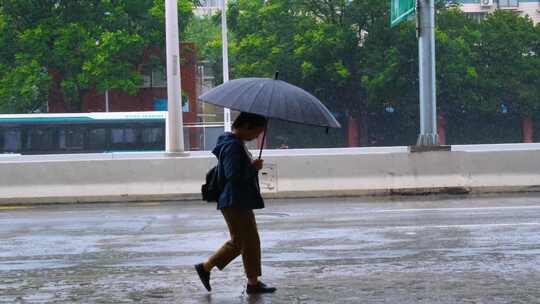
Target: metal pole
426, 53
106, 100
174, 143
225, 48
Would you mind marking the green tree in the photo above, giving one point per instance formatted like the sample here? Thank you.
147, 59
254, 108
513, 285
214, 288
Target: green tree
262, 38
205, 33
346, 54
318, 45
75, 45
457, 75
507, 63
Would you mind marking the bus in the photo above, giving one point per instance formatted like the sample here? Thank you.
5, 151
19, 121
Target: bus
86, 132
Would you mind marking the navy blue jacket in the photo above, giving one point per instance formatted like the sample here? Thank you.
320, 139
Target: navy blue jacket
241, 178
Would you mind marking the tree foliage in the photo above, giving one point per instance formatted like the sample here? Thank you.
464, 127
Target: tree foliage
507, 60
75, 45
346, 53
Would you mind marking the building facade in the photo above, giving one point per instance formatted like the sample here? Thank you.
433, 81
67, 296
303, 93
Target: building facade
208, 7
479, 9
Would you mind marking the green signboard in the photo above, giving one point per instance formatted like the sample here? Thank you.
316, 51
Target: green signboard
400, 10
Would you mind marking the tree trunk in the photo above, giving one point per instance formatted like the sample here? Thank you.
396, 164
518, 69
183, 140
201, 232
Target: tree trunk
364, 130
77, 106
56, 102
528, 129
357, 133
441, 129
353, 134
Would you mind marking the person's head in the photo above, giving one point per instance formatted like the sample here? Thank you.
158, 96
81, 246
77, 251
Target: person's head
249, 126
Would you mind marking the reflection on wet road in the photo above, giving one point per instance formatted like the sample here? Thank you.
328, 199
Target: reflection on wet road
355, 250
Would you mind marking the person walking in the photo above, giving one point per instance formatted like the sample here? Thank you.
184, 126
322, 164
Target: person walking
240, 196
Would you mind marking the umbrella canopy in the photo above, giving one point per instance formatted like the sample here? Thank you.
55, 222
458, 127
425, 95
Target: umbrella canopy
271, 98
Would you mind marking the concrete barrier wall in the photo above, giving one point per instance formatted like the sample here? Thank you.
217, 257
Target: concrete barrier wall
289, 173
101, 180
410, 173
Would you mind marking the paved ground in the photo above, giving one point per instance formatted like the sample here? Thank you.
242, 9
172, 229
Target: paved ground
386, 250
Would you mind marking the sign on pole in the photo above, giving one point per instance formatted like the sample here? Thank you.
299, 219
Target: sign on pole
400, 10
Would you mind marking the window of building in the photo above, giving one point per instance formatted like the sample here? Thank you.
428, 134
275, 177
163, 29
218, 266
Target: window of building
159, 78
477, 16
508, 3
210, 3
156, 78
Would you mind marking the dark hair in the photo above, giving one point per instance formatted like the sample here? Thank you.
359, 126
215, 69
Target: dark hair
249, 121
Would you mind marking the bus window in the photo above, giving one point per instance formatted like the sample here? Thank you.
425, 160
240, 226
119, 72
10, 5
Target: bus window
62, 139
71, 139
123, 136
97, 139
117, 136
75, 138
40, 139
152, 136
130, 136
12, 141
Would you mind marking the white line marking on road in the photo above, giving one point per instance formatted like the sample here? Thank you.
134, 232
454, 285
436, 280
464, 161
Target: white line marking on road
464, 226
8, 207
459, 209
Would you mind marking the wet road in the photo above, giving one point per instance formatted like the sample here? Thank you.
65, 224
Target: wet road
356, 250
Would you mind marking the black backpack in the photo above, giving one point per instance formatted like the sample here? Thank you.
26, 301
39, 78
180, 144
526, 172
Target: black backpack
214, 185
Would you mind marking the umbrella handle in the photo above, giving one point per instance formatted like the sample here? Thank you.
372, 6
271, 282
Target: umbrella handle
264, 138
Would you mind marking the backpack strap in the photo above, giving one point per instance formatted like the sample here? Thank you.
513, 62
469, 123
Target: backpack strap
219, 174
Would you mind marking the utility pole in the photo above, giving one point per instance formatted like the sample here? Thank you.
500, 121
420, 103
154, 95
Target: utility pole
426, 53
174, 142
106, 100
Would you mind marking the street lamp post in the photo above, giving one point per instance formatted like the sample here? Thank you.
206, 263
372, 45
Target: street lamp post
174, 142
225, 48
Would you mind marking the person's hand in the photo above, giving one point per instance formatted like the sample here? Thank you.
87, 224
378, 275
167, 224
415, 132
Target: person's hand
258, 164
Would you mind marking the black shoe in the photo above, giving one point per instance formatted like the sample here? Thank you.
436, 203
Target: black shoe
204, 276
259, 288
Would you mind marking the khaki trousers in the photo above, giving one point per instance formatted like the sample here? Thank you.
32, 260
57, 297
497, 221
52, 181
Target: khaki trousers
244, 240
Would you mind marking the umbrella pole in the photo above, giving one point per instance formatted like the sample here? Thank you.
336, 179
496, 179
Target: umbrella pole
264, 138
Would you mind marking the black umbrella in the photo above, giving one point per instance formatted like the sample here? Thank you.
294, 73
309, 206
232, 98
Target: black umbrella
271, 98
